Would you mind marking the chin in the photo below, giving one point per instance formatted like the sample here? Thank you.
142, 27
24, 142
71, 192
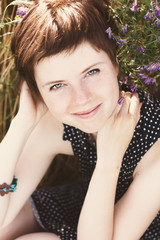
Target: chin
91, 128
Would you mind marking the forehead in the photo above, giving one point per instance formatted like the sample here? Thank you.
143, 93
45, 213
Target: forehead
70, 62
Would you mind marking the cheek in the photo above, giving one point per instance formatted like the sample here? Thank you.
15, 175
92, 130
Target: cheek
107, 85
57, 105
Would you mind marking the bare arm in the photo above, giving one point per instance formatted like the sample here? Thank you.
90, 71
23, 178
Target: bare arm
13, 143
134, 212
97, 216
139, 206
26, 151
10, 149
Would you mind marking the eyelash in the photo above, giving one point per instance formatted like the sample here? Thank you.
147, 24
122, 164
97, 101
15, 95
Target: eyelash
93, 71
55, 88
58, 86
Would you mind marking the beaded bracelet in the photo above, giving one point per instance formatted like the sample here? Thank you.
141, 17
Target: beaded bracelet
5, 188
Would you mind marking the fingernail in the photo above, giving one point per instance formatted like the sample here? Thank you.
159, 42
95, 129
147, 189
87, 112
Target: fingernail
120, 100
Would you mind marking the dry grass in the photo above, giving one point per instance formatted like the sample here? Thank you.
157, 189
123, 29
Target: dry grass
8, 93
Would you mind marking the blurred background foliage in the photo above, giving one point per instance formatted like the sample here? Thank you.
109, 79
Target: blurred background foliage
139, 43
138, 38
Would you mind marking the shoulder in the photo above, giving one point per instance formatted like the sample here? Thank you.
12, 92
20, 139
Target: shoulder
151, 103
151, 160
148, 131
150, 113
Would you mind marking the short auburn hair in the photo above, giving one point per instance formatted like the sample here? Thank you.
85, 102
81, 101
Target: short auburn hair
52, 26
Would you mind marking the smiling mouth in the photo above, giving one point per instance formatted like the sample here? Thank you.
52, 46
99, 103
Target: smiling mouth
89, 113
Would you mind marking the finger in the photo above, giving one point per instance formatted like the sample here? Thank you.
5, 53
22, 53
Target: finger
135, 106
123, 103
25, 96
24, 88
126, 103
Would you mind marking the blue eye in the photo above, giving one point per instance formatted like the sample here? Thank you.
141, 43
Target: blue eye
92, 72
56, 86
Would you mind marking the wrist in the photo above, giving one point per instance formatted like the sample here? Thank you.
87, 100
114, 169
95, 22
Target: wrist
11, 147
108, 168
17, 133
110, 160
22, 125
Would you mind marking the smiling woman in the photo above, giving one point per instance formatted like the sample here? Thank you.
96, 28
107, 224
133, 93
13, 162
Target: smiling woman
69, 104
80, 94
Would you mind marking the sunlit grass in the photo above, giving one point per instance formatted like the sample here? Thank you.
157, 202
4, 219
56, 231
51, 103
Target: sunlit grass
8, 95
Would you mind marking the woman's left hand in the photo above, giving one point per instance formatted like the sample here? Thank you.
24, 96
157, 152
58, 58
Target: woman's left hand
114, 138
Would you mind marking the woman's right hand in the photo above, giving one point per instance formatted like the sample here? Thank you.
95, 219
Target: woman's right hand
29, 112
114, 138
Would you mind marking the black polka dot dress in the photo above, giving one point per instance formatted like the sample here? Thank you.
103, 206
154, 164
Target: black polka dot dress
57, 209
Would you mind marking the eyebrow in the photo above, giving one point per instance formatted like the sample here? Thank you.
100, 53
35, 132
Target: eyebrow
85, 70
91, 67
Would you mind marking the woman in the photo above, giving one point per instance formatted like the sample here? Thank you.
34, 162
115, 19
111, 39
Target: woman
70, 66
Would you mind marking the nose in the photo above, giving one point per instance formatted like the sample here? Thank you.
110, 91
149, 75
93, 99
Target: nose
81, 95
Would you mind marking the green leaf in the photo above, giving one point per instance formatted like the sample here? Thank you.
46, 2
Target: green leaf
148, 3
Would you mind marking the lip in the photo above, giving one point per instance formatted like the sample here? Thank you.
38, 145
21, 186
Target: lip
89, 113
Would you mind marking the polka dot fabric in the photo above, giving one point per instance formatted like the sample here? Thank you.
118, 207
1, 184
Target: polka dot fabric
57, 209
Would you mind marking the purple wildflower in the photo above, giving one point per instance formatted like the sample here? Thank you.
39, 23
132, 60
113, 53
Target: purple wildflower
122, 41
142, 68
120, 100
156, 8
157, 12
157, 22
110, 34
148, 16
141, 49
134, 6
153, 67
154, 81
142, 76
124, 28
21, 11
158, 37
133, 88
149, 81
